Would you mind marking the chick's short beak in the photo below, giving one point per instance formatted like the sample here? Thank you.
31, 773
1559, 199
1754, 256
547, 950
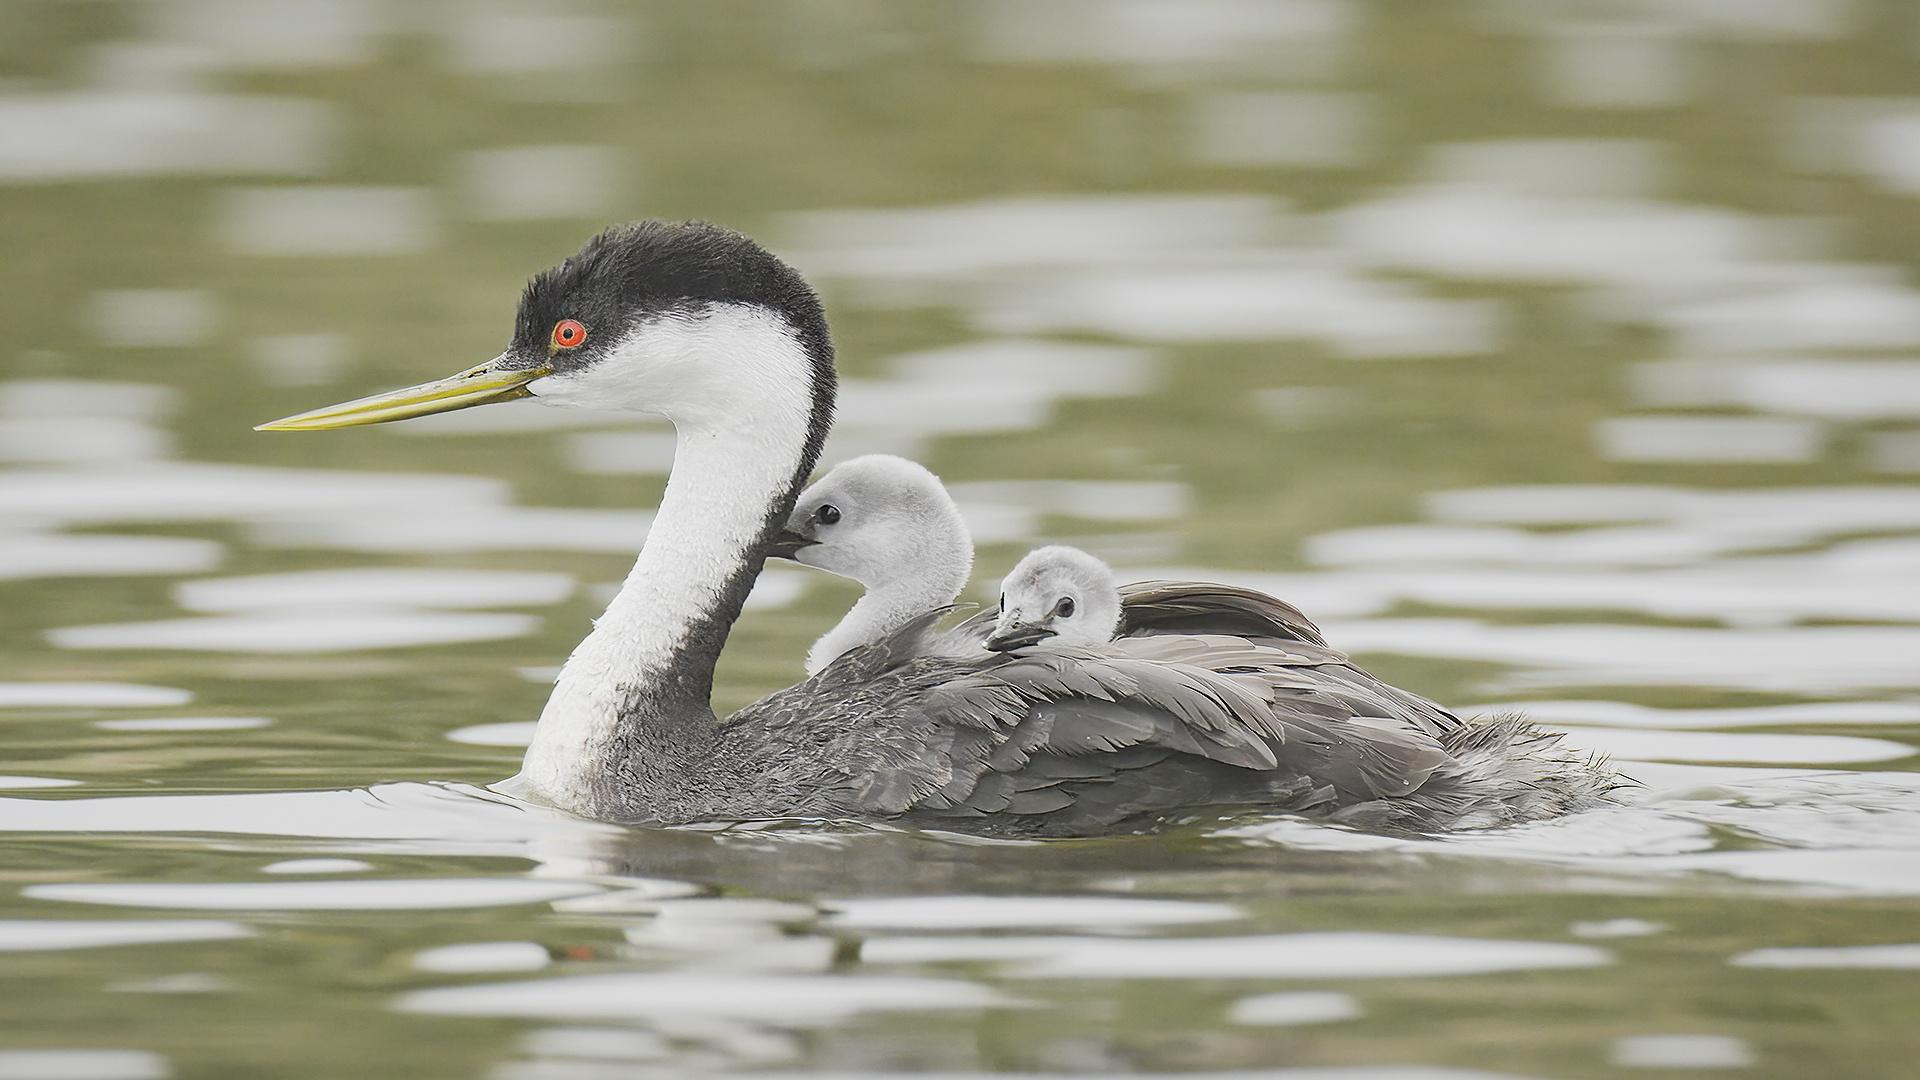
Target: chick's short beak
1018, 636
788, 544
492, 381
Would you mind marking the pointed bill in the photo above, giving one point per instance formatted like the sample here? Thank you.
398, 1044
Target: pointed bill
483, 385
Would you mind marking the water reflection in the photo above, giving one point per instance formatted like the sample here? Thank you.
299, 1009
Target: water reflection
87, 1064
785, 1000
1305, 1007
23, 934
1301, 956
1682, 1052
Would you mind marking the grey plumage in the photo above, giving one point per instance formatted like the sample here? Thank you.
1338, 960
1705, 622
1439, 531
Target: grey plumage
1074, 741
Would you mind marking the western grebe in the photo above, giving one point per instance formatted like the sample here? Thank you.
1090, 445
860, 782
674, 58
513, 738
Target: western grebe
702, 326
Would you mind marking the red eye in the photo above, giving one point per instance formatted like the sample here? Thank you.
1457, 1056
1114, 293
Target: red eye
569, 334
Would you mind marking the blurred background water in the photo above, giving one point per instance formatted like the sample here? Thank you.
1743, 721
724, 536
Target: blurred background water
1552, 354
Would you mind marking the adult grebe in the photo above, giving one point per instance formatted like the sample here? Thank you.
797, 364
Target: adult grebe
702, 326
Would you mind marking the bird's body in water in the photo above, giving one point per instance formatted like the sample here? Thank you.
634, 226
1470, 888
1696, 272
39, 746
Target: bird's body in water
705, 328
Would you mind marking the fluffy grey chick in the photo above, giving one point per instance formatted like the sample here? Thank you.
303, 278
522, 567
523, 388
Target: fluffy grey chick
1059, 594
888, 524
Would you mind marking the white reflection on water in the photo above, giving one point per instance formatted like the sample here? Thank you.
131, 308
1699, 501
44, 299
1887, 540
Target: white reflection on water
1307, 37
1757, 440
1111, 500
1782, 308
1553, 166
1779, 515
1681, 1052
299, 359
593, 1044
1872, 137
512, 733
783, 1000
441, 529
1058, 369
1291, 299
34, 935
185, 723
98, 134
372, 895
1848, 390
146, 318
185, 491
1492, 233
453, 816
1009, 912
192, 982
1722, 746
980, 239
1804, 660
74, 398
1622, 714
1615, 928
412, 586
316, 866
1616, 64
1878, 582
83, 1065
1857, 872
1825, 833
1278, 956
1897, 957
81, 440
311, 631
483, 956
517, 39
273, 35
54, 695
1300, 1007
534, 183
27, 555
1301, 129
327, 221
1438, 544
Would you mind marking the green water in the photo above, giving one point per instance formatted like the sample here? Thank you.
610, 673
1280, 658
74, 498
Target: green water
1752, 205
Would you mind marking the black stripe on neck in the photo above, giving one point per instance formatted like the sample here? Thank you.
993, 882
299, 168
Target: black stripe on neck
675, 713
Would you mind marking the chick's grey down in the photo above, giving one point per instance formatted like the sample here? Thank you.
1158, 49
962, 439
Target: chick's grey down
1229, 702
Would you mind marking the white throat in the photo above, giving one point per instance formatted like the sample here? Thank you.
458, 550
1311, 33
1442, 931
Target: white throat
737, 386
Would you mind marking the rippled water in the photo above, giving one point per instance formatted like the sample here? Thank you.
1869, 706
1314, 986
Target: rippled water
1562, 357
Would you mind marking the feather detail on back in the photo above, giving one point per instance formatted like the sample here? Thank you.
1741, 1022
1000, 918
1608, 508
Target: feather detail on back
1083, 740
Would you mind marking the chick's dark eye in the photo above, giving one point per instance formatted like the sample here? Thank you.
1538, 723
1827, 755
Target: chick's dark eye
1064, 609
828, 514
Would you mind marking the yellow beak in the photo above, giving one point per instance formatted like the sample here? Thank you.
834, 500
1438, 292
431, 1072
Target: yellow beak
483, 385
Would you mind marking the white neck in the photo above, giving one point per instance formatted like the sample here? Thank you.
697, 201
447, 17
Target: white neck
657, 640
880, 612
